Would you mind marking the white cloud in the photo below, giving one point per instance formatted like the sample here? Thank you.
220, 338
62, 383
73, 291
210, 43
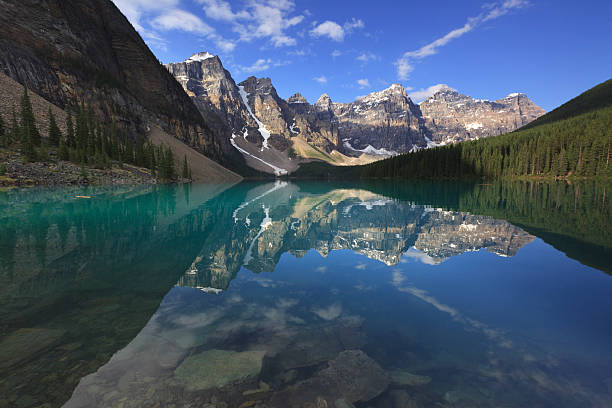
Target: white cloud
424, 93
266, 19
329, 29
336, 53
221, 10
177, 19
269, 19
363, 83
353, 24
322, 79
367, 56
405, 65
225, 45
262, 64
334, 30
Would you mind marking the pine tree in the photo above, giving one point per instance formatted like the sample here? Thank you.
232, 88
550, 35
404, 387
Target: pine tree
63, 152
28, 123
3, 133
70, 139
54, 132
14, 127
185, 173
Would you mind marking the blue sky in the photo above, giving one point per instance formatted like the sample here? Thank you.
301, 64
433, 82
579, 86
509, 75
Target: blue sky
550, 50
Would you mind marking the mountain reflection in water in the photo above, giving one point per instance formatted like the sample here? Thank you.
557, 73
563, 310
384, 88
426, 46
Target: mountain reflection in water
297, 295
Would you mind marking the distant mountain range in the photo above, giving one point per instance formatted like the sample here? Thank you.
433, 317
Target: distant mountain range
275, 135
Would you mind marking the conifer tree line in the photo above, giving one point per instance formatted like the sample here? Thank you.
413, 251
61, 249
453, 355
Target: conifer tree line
86, 142
579, 146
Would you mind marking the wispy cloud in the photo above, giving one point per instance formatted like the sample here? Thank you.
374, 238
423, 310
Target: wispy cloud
262, 64
322, 79
177, 19
336, 53
367, 56
363, 83
405, 65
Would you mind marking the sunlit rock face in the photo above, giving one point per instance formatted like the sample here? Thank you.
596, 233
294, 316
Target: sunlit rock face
211, 87
452, 117
385, 122
282, 219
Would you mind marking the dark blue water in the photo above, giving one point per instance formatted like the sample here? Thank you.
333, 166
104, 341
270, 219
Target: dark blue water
282, 295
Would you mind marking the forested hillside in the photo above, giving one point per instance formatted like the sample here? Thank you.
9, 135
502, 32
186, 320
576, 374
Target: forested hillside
573, 140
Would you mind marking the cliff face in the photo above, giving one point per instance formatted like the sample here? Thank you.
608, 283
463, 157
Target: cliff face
452, 117
385, 122
87, 53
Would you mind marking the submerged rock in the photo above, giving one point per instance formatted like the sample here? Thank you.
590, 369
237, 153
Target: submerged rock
218, 368
351, 377
405, 378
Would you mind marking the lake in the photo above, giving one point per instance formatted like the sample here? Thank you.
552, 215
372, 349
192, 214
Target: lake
282, 294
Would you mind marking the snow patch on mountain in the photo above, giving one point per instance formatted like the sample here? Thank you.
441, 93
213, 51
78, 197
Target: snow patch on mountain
371, 150
473, 125
262, 129
277, 170
200, 56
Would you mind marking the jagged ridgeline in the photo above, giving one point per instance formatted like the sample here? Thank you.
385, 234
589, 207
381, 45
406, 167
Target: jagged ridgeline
573, 140
86, 53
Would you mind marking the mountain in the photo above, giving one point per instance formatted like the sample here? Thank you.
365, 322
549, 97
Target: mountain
451, 117
86, 52
277, 135
574, 140
383, 123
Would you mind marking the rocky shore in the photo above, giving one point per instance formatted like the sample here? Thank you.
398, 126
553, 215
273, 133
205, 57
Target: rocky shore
18, 172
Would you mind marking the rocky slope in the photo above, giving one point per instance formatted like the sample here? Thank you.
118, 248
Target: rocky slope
451, 117
87, 53
275, 135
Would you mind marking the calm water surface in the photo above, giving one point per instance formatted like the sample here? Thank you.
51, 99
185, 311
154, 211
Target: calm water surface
307, 295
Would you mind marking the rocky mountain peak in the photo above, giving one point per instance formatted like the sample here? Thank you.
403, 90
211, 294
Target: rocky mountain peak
394, 91
297, 98
324, 102
258, 86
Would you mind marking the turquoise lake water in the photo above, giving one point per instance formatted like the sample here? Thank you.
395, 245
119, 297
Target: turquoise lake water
284, 294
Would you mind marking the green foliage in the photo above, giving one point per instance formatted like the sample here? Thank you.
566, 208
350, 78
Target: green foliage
2, 169
63, 152
573, 140
54, 132
595, 98
186, 173
166, 163
70, 138
28, 123
578, 146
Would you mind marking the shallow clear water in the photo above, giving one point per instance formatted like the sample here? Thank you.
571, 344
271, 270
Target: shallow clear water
310, 294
